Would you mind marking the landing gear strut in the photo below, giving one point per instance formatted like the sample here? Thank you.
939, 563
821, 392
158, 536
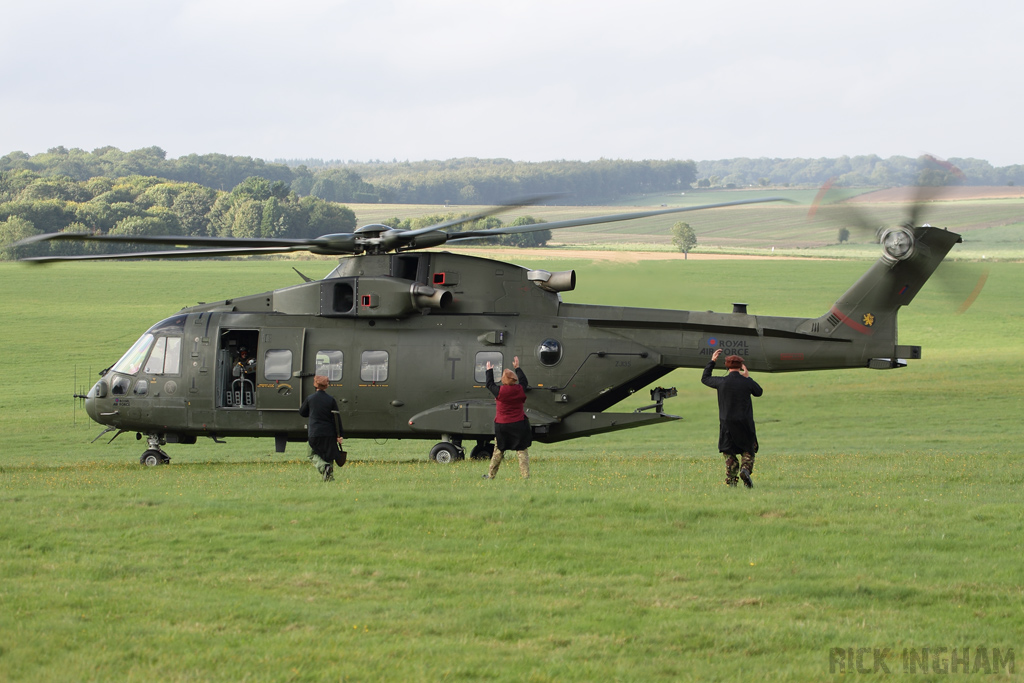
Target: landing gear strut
154, 455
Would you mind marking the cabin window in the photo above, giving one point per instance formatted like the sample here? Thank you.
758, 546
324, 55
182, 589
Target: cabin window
166, 357
141, 388
329, 363
131, 362
482, 359
549, 352
373, 366
277, 364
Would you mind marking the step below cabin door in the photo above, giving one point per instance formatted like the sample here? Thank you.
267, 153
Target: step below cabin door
279, 380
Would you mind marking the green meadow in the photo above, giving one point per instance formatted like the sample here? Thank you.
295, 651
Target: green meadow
886, 515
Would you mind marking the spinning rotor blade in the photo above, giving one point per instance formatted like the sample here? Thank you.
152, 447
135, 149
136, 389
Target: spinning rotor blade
572, 223
370, 239
334, 244
233, 242
956, 278
953, 278
843, 215
173, 253
515, 203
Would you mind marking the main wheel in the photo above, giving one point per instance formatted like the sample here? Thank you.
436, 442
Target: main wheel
152, 458
445, 453
482, 451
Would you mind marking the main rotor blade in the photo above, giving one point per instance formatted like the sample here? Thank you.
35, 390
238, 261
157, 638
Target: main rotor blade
173, 253
196, 241
532, 200
611, 218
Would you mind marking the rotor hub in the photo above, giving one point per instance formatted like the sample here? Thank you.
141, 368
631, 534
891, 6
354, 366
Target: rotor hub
898, 244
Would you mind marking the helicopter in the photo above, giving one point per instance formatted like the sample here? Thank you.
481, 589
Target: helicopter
404, 336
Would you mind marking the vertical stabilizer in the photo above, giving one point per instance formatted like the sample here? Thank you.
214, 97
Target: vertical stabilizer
910, 257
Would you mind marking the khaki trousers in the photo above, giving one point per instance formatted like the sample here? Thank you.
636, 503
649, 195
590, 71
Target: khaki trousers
524, 463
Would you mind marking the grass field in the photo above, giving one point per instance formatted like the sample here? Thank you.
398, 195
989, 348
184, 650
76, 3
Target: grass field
886, 512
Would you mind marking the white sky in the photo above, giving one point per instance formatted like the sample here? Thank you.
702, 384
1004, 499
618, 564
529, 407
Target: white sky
529, 80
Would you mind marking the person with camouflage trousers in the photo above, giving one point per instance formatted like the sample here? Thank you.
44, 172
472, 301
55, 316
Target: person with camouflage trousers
736, 433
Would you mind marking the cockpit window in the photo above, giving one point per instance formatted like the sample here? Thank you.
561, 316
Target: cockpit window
131, 362
166, 357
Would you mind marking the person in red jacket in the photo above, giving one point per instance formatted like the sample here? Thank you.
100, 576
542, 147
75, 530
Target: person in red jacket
511, 426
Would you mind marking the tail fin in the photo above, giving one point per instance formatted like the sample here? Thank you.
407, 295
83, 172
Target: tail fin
893, 281
867, 311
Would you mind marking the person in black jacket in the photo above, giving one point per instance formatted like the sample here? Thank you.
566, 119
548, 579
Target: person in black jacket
736, 434
325, 433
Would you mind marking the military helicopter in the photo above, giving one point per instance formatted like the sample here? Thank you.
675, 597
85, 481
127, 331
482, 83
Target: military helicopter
404, 337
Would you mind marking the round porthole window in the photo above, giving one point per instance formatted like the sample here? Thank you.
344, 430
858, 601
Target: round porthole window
549, 352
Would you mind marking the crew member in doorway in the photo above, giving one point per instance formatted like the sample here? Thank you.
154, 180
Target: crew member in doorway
324, 431
511, 426
736, 433
245, 365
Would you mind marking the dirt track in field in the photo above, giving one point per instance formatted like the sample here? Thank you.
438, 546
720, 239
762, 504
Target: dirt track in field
950, 194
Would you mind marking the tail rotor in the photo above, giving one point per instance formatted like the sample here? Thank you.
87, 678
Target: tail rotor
962, 282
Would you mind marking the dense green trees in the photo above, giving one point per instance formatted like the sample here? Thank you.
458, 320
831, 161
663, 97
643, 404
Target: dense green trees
475, 181
31, 204
217, 171
857, 171
461, 181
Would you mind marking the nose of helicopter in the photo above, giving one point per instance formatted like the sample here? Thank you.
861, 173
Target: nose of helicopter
93, 398
90, 407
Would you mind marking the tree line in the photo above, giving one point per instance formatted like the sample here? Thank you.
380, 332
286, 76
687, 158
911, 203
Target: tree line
148, 205
492, 181
856, 171
456, 181
31, 204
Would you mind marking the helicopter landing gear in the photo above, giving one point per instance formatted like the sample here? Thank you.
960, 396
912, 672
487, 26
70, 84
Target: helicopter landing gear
152, 458
482, 451
447, 451
154, 455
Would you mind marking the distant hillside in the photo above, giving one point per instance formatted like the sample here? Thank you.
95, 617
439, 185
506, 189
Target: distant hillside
493, 181
859, 171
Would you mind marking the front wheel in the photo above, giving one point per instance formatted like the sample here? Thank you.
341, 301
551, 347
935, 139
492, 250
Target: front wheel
445, 453
152, 458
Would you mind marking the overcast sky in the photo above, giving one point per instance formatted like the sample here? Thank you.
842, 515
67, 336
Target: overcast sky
528, 80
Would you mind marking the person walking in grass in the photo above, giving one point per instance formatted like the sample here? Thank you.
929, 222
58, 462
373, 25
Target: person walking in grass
512, 430
324, 430
736, 433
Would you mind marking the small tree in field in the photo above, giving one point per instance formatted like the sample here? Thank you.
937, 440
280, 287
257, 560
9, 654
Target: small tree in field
683, 238
844, 235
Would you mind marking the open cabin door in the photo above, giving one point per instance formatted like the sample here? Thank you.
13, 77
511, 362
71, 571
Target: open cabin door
279, 381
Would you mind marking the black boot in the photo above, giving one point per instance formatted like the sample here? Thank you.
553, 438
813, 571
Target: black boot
745, 476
